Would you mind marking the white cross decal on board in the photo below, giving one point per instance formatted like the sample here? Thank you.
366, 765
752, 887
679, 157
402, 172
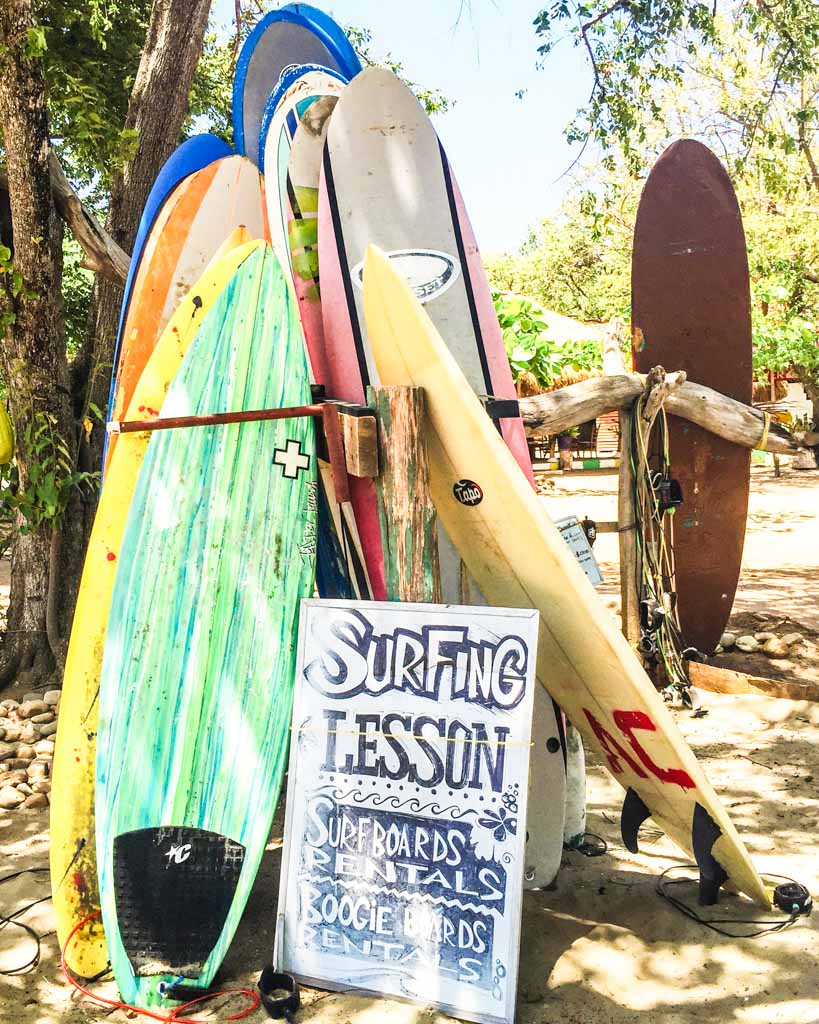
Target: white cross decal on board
291, 459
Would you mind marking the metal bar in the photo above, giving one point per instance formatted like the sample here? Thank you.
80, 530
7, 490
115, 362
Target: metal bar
217, 419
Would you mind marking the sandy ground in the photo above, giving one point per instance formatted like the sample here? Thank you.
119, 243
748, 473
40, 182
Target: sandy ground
602, 946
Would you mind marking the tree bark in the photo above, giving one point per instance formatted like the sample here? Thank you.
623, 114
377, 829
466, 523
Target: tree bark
156, 114
33, 353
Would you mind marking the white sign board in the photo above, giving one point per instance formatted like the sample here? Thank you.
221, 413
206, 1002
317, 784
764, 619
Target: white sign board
406, 803
575, 536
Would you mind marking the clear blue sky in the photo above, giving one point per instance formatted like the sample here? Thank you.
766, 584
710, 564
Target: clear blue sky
506, 152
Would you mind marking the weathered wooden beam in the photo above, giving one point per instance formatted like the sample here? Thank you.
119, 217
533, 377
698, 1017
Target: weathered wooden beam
614, 337
723, 680
559, 410
360, 441
406, 513
627, 538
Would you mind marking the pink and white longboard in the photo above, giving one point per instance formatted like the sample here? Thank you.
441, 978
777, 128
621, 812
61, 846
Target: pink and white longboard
386, 180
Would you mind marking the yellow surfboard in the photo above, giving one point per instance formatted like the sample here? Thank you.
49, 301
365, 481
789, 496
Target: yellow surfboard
516, 554
73, 859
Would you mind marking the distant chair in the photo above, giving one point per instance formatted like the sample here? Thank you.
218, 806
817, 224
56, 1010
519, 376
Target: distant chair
586, 439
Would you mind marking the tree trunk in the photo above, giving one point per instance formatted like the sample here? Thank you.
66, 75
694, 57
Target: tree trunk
33, 353
156, 113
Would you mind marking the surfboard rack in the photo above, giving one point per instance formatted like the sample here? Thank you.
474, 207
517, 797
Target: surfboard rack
349, 432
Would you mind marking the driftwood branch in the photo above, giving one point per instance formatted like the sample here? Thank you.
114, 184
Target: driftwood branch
559, 410
102, 254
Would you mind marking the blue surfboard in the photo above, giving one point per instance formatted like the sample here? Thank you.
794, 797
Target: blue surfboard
293, 35
288, 79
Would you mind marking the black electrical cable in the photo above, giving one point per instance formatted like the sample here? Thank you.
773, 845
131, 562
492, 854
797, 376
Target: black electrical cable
10, 919
762, 927
589, 844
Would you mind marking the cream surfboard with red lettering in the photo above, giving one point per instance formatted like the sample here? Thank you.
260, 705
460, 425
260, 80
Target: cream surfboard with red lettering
517, 556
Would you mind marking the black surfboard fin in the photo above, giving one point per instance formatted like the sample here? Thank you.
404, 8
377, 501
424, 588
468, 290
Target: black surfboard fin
704, 833
632, 816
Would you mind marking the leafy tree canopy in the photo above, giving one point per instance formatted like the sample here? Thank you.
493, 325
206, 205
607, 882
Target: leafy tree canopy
742, 76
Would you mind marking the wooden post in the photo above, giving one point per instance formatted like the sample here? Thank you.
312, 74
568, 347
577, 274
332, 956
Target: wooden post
614, 364
627, 537
405, 509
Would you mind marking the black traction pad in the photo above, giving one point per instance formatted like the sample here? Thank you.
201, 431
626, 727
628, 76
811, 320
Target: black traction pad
173, 888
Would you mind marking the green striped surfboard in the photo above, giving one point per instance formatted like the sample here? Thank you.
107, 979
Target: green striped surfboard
199, 660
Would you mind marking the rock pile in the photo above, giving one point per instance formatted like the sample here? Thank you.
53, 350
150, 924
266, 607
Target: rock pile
765, 641
27, 729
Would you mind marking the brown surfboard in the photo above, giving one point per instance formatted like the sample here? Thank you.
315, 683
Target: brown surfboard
691, 310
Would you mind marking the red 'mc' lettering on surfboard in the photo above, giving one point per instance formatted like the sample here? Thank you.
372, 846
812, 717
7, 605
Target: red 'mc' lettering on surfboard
628, 722
612, 748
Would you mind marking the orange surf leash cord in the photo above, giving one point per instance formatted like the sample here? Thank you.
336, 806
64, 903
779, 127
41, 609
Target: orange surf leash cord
173, 1017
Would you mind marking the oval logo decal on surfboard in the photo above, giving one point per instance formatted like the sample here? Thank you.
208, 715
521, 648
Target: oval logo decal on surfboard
429, 273
468, 492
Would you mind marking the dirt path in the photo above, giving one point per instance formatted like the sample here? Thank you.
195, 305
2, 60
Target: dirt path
603, 947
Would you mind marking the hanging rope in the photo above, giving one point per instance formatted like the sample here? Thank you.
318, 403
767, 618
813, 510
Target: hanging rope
661, 638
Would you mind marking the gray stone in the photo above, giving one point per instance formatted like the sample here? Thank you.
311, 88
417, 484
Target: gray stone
26, 752
30, 708
11, 798
52, 697
13, 777
764, 636
46, 716
38, 770
9, 704
23, 787
747, 644
35, 801
7, 749
18, 762
727, 640
775, 648
792, 638
31, 696
48, 729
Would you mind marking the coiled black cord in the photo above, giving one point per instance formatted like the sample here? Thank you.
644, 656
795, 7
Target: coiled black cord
11, 919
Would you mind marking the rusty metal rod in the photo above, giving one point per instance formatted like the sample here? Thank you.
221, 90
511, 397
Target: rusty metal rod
215, 419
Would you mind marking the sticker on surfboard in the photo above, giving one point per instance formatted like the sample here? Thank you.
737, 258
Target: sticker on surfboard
428, 272
468, 492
